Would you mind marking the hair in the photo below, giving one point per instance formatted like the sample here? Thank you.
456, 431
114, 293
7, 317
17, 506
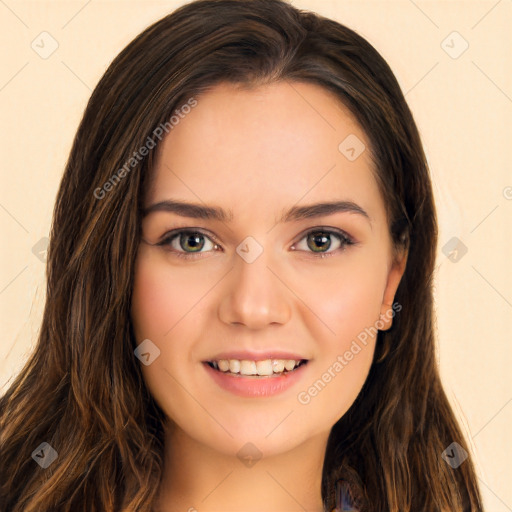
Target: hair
82, 389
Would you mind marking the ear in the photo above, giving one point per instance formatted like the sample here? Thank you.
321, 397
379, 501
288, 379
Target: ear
394, 276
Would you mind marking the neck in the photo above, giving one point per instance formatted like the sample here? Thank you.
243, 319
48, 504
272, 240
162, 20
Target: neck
199, 478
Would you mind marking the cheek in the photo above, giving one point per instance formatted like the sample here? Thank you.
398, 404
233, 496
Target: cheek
346, 299
163, 298
159, 313
163, 308
345, 357
153, 302
337, 303
335, 385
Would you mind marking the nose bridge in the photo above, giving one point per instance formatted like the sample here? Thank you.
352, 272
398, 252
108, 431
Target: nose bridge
254, 297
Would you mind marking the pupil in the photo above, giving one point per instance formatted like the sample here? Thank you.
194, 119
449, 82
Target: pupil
319, 239
196, 243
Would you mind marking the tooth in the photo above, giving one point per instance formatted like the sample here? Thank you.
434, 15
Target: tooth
277, 365
223, 365
289, 364
234, 366
264, 367
248, 367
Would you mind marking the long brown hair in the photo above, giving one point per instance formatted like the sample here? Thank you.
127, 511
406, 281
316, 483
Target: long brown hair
82, 390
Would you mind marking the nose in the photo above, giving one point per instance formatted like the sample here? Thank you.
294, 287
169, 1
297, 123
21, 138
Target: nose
254, 295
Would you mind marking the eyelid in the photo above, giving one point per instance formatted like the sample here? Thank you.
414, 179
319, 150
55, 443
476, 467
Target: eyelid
169, 235
344, 237
326, 229
167, 238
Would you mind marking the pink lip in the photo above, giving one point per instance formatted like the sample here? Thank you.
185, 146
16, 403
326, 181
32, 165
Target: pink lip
256, 386
257, 356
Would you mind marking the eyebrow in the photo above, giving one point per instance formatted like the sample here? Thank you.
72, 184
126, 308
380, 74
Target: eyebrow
200, 211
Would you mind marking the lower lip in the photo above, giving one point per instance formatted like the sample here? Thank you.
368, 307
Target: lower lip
256, 386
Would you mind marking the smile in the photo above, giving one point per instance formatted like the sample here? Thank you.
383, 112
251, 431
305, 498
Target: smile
264, 368
243, 377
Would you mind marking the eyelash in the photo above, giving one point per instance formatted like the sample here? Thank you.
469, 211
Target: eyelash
342, 236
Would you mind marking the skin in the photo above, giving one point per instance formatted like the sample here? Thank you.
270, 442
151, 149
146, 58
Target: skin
259, 152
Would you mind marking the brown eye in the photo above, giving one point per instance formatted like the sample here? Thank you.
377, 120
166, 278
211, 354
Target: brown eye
186, 243
320, 241
193, 240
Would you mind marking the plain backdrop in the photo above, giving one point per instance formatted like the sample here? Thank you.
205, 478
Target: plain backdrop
453, 61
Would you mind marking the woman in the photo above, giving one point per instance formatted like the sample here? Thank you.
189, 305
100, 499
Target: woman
263, 372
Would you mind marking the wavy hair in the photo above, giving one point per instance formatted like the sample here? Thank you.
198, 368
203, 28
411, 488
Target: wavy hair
82, 390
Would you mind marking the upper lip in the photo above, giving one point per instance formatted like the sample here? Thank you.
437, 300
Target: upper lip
257, 356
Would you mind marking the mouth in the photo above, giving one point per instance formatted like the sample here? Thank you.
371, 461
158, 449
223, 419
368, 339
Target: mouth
266, 368
262, 378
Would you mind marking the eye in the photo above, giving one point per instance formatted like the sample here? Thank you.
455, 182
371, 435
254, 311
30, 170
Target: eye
187, 243
319, 242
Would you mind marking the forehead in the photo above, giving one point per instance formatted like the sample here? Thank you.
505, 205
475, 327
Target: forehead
267, 148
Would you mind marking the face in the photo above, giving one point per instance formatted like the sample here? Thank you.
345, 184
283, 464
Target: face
273, 279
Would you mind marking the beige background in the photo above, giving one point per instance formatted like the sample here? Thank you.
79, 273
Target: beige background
462, 102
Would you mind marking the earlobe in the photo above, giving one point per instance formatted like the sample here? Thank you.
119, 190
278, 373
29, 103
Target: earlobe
395, 275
